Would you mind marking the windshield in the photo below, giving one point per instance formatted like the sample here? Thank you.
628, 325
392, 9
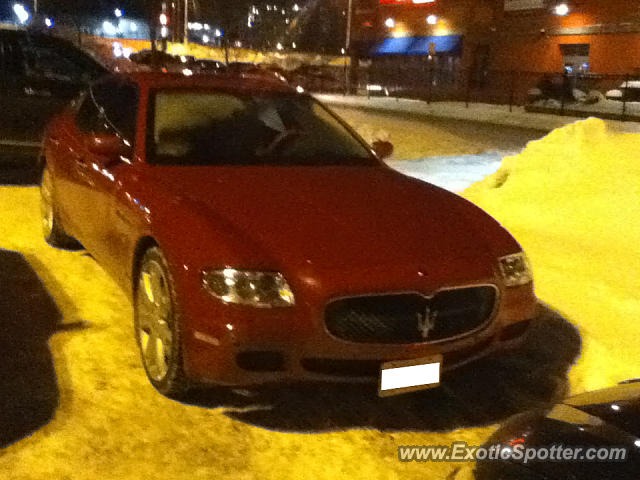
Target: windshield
196, 127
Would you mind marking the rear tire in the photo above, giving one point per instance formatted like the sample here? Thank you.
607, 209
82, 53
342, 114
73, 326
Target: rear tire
52, 229
157, 325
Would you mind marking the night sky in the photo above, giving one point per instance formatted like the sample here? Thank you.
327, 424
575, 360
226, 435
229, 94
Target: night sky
81, 7
133, 8
320, 27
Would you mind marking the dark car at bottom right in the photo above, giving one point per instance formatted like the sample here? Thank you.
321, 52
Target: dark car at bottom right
591, 436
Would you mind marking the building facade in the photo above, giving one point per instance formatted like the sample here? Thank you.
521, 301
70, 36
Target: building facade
580, 36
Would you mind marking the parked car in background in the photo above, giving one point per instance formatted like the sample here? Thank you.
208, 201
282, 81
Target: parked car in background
157, 58
597, 420
188, 60
210, 66
317, 79
261, 240
255, 70
242, 67
628, 91
39, 74
277, 71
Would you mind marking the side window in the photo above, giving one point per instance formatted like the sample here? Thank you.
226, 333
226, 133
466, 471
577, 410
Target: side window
120, 103
48, 63
88, 116
13, 61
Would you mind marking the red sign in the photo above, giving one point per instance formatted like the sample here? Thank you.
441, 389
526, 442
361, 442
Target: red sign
405, 2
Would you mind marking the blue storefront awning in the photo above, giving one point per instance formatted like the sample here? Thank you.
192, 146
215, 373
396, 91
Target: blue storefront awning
419, 45
393, 46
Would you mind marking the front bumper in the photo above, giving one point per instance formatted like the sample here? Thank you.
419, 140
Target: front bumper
249, 348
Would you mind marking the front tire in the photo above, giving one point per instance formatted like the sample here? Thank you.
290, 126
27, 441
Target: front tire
157, 325
52, 229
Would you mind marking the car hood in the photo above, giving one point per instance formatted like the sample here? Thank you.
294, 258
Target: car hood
344, 217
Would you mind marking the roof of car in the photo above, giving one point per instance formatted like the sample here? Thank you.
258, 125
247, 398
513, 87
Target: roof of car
245, 82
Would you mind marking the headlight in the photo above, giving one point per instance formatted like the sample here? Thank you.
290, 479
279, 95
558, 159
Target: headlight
257, 289
515, 269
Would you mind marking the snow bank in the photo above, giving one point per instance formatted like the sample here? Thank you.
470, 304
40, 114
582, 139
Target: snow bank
571, 199
602, 106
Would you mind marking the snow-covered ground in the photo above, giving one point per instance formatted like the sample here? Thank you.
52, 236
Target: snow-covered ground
571, 199
480, 112
450, 153
455, 173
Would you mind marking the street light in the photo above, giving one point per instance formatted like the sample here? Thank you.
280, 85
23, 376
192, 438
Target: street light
21, 12
561, 9
118, 13
109, 29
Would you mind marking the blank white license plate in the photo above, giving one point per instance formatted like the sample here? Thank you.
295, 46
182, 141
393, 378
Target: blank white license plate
409, 375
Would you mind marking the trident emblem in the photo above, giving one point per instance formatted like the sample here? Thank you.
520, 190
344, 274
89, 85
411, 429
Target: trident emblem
427, 321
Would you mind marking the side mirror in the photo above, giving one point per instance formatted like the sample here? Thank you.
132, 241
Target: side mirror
382, 149
110, 146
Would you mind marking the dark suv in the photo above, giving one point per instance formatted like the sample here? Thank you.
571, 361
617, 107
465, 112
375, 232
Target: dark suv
39, 74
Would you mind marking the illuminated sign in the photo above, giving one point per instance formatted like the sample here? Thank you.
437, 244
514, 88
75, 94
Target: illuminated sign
405, 2
513, 5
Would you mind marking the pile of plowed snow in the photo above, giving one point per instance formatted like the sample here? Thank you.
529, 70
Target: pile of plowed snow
572, 199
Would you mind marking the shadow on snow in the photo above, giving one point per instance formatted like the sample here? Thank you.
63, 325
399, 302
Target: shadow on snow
29, 393
482, 393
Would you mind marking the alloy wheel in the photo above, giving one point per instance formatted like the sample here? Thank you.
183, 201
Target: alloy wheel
46, 204
154, 317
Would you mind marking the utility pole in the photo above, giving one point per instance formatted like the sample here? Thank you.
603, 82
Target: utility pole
186, 21
349, 21
35, 7
351, 69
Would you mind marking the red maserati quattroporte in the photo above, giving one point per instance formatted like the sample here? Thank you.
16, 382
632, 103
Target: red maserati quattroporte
261, 240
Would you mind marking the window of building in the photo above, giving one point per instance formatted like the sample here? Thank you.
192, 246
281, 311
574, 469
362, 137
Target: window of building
575, 57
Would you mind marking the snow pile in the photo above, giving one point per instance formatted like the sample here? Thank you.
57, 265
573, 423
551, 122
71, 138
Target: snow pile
571, 199
597, 104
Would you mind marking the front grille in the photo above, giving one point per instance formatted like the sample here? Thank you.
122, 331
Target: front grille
410, 318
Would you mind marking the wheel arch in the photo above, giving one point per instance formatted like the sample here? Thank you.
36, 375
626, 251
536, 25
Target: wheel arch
144, 244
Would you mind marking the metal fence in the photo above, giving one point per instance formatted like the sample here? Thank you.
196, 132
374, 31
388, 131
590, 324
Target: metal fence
606, 96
